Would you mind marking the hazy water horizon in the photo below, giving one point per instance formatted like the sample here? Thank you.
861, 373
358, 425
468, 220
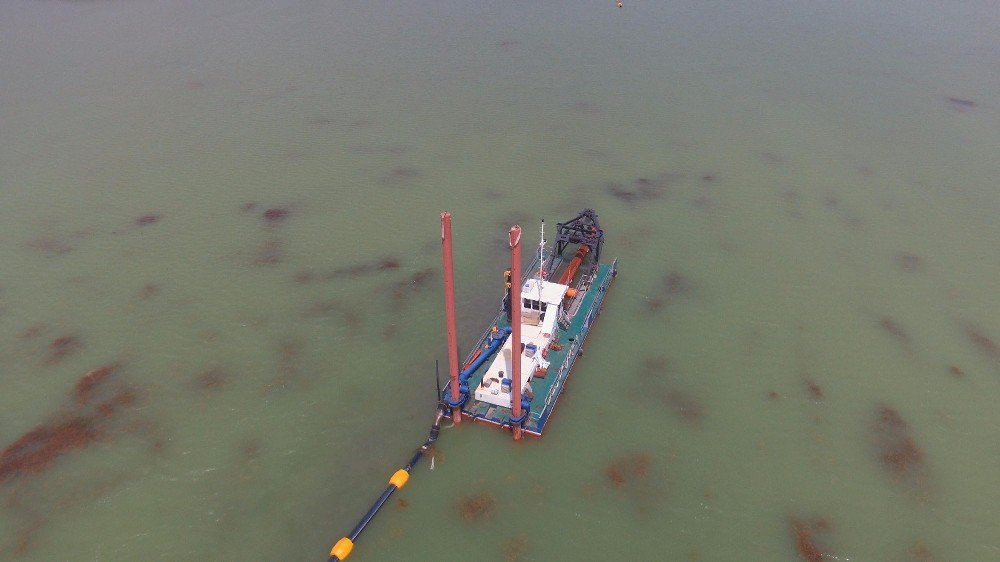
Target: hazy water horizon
221, 302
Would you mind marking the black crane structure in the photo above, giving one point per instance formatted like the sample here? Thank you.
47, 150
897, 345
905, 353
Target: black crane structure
581, 229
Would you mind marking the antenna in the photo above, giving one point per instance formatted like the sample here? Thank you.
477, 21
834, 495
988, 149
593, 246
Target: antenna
541, 259
437, 380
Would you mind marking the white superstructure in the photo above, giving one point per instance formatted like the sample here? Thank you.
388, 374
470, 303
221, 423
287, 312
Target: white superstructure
540, 308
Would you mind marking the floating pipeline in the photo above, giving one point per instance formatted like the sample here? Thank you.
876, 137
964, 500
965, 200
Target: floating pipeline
342, 549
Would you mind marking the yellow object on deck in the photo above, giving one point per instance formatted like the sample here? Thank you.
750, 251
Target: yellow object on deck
399, 478
342, 549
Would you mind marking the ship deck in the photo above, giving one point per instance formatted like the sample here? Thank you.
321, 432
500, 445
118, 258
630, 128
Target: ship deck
547, 389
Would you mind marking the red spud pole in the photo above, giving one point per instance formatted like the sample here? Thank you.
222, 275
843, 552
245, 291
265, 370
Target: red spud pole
515, 328
449, 312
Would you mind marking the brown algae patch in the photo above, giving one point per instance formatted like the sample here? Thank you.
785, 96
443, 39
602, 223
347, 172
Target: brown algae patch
894, 329
814, 390
146, 220
211, 379
908, 261
961, 104
628, 471
62, 347
643, 190
983, 342
515, 548
658, 384
684, 405
634, 476
380, 265
91, 382
400, 176
99, 410
807, 544
476, 506
895, 448
675, 285
415, 282
97, 396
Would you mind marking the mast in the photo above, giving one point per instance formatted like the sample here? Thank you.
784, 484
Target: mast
541, 260
449, 313
515, 336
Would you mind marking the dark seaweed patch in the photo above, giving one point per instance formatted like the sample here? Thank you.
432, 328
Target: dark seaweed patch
211, 379
895, 448
865, 171
792, 201
399, 176
146, 220
961, 103
515, 548
268, 252
684, 405
629, 470
806, 544
631, 475
659, 384
50, 246
921, 553
703, 203
381, 265
63, 347
585, 106
772, 158
476, 506
276, 215
95, 413
380, 149
289, 366
88, 384
322, 120
38, 448
32, 332
351, 316
814, 390
982, 342
290, 360
417, 281
675, 285
643, 190
892, 327
95, 397
908, 262
148, 290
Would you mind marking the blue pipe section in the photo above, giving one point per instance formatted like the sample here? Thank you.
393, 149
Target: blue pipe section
495, 343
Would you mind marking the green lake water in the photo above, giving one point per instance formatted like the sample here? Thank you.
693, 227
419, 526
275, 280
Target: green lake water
236, 203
